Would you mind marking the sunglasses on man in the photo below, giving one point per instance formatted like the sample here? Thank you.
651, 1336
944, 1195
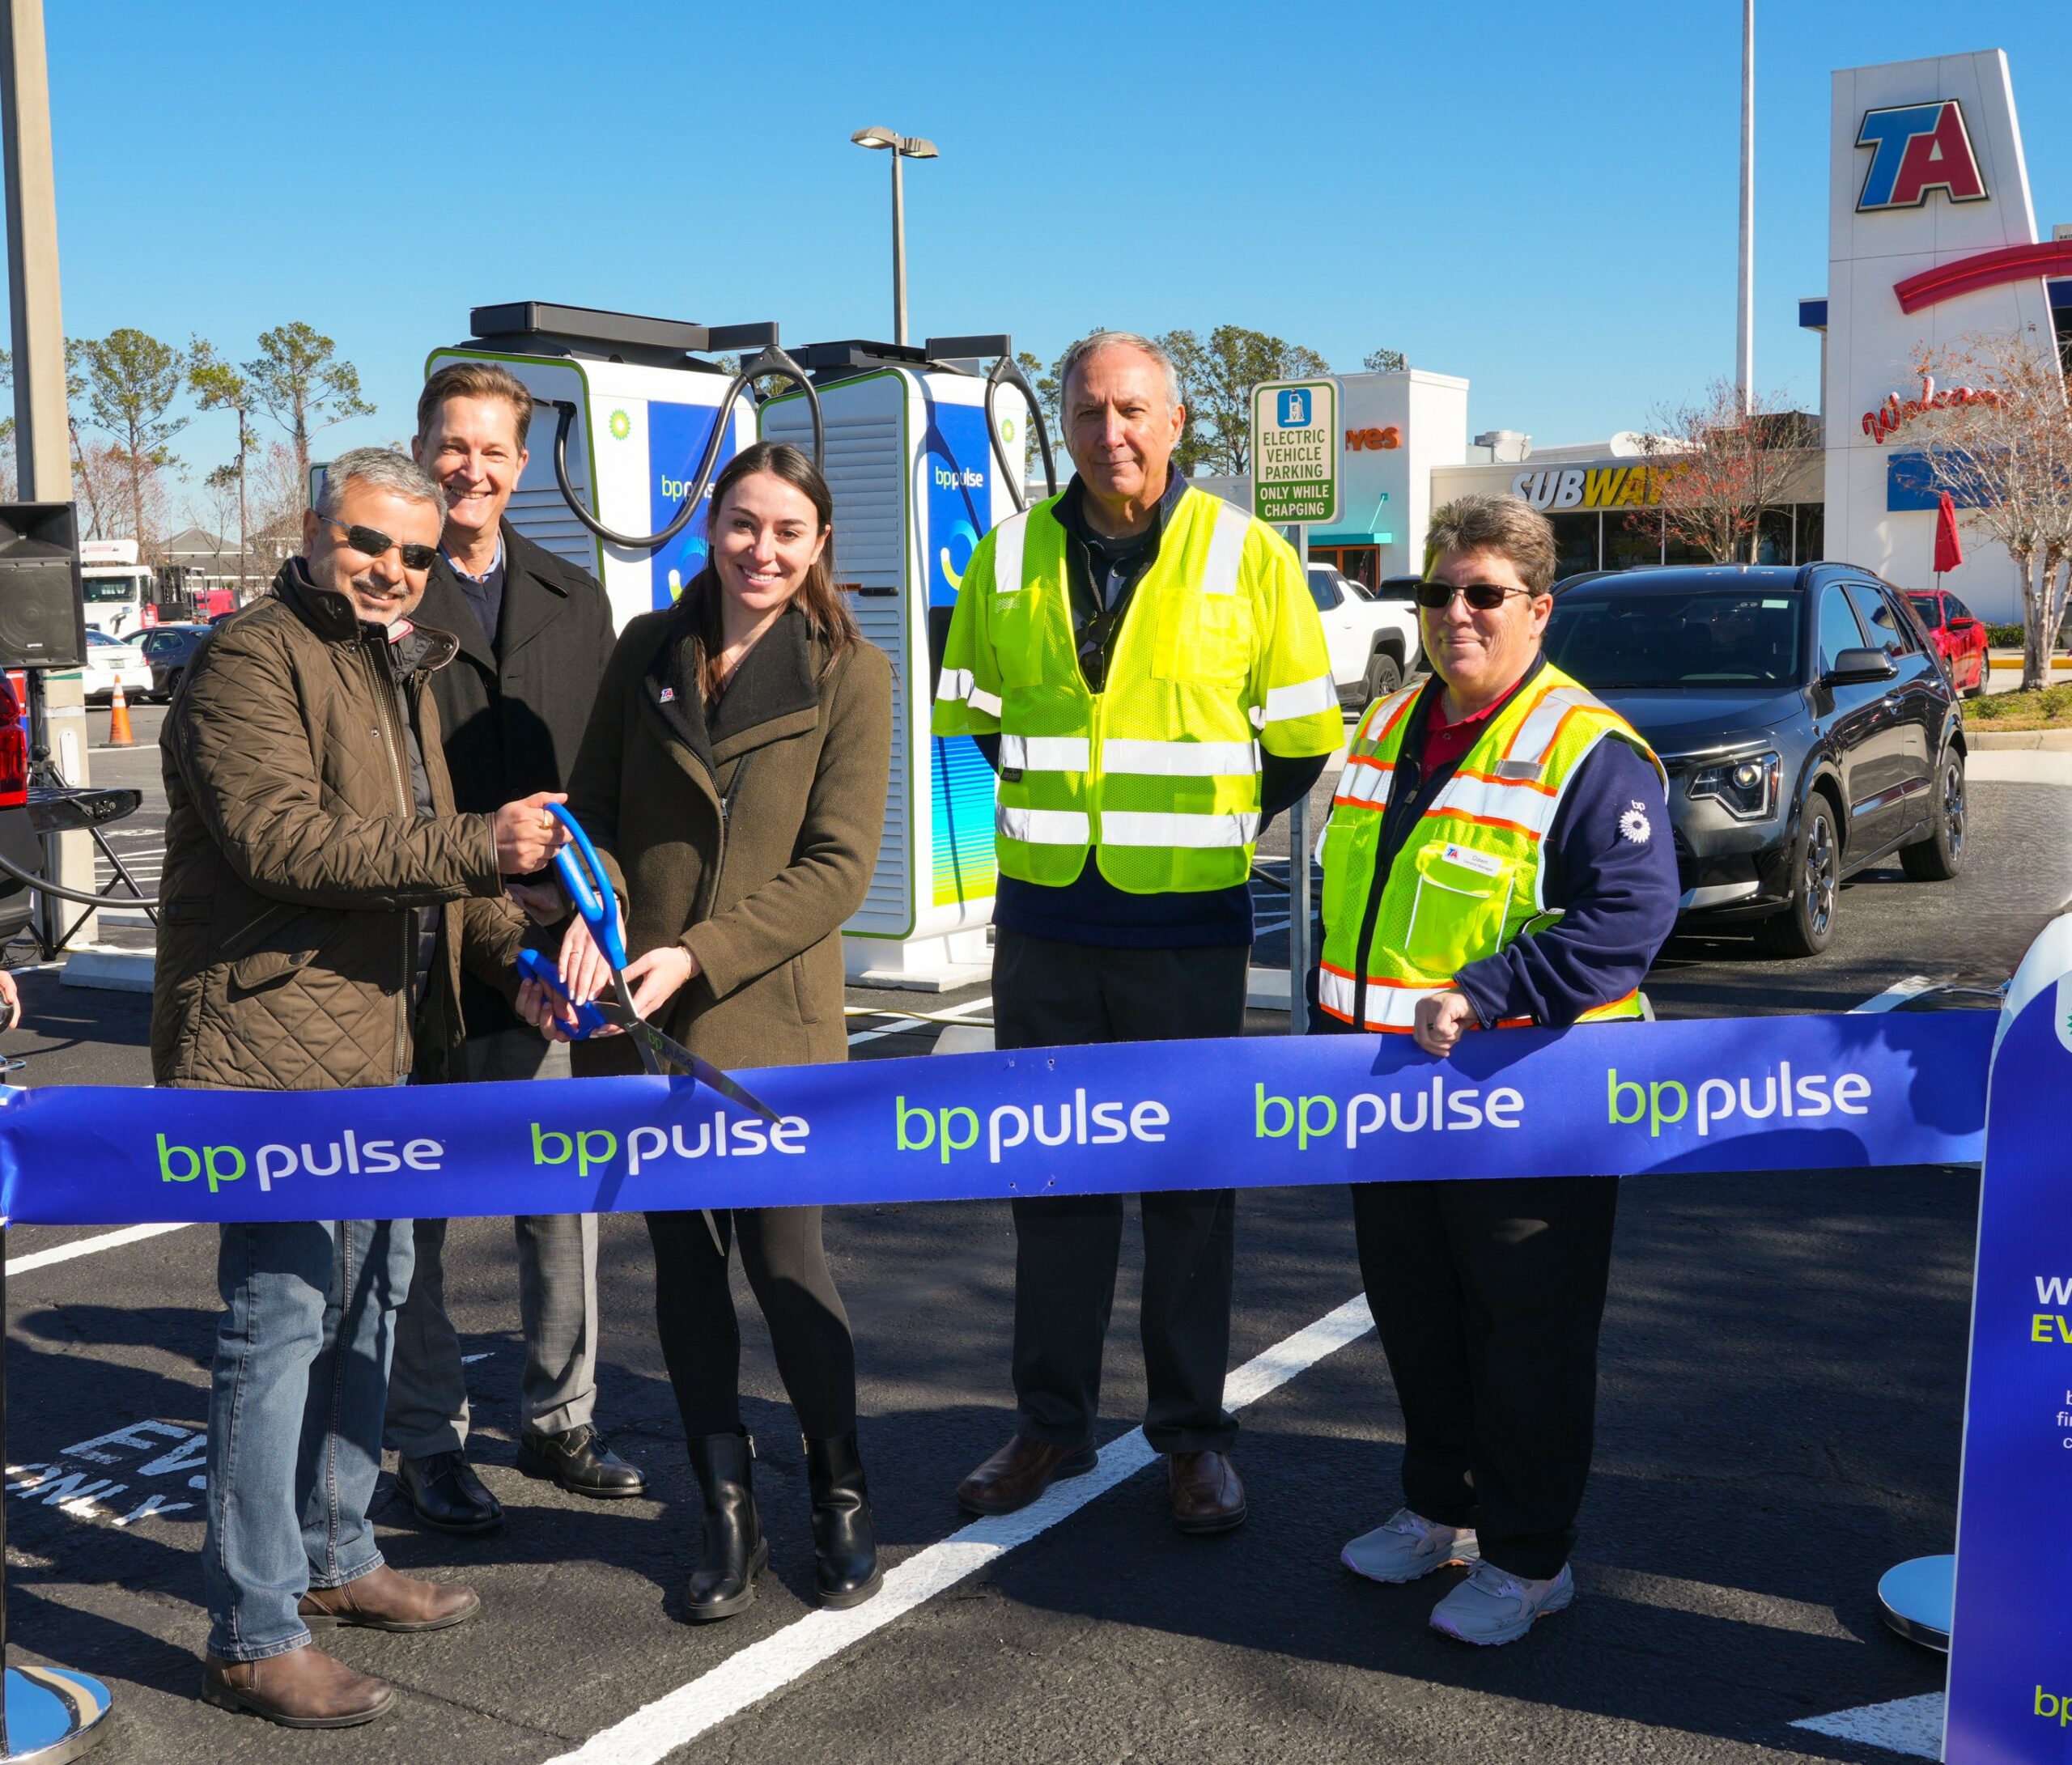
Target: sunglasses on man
1483, 597
375, 543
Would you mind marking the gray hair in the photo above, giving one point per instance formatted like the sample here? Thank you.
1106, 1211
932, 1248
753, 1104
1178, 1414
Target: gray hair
1076, 357
386, 469
1508, 526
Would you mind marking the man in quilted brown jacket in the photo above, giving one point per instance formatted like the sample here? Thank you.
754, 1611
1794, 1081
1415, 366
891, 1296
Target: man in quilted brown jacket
319, 895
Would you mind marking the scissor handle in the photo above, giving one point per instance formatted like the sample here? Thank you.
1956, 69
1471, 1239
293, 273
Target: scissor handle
589, 886
539, 970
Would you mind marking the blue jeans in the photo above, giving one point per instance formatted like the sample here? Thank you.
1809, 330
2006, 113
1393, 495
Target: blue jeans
295, 1402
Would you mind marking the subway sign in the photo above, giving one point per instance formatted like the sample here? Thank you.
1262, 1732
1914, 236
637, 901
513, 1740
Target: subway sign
1590, 487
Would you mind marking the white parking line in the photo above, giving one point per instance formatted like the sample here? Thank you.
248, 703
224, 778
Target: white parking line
1910, 1725
971, 1007
763, 1669
107, 1241
1897, 994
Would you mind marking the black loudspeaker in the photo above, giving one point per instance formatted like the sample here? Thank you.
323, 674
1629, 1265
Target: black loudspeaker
42, 604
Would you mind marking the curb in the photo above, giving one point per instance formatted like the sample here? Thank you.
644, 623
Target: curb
111, 969
2027, 741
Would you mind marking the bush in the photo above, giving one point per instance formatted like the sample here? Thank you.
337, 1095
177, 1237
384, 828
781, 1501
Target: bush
2005, 637
2046, 704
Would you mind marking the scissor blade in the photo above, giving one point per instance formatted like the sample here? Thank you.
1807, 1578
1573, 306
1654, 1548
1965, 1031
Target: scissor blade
700, 1069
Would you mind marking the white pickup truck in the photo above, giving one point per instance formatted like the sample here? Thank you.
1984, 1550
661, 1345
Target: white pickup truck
1373, 643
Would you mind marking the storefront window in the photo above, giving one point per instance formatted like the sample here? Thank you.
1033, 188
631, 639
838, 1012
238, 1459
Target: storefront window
1812, 528
1362, 563
1675, 551
1575, 543
1774, 532
1632, 541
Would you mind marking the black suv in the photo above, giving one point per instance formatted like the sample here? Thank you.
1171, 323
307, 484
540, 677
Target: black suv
169, 648
1806, 725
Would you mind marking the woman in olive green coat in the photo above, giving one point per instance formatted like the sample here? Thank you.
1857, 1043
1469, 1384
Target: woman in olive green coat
733, 779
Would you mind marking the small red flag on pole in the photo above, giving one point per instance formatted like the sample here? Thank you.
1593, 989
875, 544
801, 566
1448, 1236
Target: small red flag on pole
1949, 549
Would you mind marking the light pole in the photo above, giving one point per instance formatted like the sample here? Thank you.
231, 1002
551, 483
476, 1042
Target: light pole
1744, 352
903, 148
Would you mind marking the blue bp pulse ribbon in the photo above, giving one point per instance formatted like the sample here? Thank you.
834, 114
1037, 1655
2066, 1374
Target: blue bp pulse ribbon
1728, 1094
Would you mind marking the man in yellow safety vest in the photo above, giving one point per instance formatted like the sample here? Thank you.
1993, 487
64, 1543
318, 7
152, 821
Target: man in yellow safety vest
1142, 664
1498, 853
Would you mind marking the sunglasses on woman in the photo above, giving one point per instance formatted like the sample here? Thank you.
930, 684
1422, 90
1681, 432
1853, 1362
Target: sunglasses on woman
374, 543
1483, 597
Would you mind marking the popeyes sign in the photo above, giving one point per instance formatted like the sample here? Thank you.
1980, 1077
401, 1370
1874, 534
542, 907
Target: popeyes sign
1373, 440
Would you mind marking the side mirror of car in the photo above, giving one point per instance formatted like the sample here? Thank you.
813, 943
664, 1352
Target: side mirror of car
1865, 664
1963, 624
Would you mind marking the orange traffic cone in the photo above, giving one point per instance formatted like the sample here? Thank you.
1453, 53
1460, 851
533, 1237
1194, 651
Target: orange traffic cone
118, 719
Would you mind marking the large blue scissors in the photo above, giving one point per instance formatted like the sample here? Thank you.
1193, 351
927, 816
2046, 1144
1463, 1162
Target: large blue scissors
583, 875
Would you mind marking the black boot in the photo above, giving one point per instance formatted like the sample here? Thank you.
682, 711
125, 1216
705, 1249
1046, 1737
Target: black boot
734, 1551
846, 1570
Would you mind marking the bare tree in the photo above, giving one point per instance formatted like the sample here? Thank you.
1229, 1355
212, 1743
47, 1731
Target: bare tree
298, 380
279, 493
1996, 435
1719, 470
218, 386
131, 381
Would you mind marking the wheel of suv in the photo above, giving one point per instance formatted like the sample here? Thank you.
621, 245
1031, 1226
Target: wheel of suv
171, 686
1383, 676
1807, 926
1941, 855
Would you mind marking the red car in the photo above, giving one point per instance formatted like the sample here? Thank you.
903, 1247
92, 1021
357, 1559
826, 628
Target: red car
1958, 634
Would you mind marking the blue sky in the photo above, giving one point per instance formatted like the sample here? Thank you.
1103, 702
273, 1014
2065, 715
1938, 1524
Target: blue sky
1541, 198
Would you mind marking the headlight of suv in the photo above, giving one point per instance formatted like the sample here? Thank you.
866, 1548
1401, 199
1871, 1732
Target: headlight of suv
1746, 789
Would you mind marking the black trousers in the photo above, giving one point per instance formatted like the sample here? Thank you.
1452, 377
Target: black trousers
1488, 1297
1049, 995
702, 1340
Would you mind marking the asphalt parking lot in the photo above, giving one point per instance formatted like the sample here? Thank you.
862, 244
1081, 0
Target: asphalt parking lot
1783, 1364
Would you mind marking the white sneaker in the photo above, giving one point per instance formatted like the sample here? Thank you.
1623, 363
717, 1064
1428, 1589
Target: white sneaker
1493, 1607
1406, 1546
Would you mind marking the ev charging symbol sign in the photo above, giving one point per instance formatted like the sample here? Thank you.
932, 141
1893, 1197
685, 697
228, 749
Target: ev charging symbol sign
1295, 463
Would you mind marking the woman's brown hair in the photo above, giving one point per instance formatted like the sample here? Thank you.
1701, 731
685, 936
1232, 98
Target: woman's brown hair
827, 613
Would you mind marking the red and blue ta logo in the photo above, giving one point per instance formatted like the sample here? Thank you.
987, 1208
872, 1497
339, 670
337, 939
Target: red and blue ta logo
1917, 148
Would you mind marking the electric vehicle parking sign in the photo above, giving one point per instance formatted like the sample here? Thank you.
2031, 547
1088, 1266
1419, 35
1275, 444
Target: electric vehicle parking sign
1295, 475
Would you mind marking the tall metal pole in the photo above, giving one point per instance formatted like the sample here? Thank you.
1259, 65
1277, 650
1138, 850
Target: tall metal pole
1744, 360
42, 439
898, 250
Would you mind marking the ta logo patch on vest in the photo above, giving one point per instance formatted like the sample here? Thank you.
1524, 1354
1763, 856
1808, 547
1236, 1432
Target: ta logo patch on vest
1915, 149
668, 695
1634, 826
1482, 863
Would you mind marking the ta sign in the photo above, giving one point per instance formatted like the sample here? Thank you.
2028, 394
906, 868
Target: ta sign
1295, 479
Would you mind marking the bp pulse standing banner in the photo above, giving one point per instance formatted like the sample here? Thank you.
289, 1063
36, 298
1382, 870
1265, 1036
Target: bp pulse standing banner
2011, 1634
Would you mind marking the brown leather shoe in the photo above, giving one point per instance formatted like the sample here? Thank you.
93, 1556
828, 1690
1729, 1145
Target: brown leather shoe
1206, 1493
302, 1689
1020, 1472
384, 1600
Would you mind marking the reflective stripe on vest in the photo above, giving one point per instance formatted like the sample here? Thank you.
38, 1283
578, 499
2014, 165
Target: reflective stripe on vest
1159, 772
1469, 879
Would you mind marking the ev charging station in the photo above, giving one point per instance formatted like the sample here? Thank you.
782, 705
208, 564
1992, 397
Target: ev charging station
924, 454
626, 425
